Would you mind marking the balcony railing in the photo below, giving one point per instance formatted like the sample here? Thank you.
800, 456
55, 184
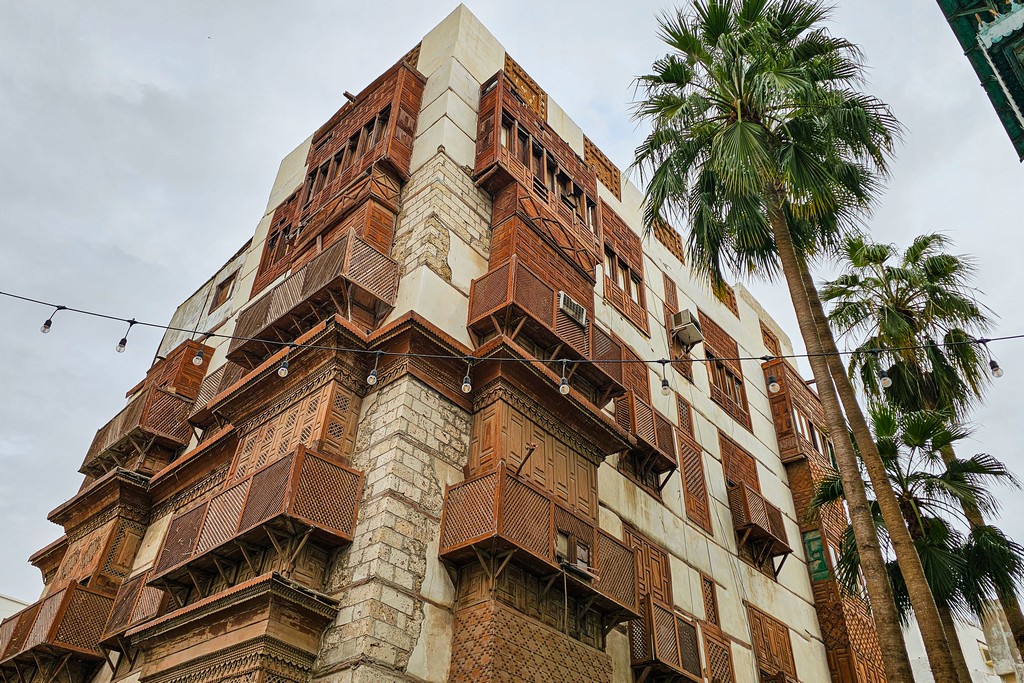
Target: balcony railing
69, 622
155, 414
498, 511
300, 490
513, 300
653, 432
758, 522
134, 604
348, 273
663, 641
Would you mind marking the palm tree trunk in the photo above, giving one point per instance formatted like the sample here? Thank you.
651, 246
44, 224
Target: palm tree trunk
922, 601
956, 650
1011, 608
890, 634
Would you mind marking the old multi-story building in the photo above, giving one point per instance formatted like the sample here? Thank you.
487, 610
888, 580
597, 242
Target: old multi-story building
423, 433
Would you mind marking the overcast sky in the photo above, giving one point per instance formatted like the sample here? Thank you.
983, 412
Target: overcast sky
139, 145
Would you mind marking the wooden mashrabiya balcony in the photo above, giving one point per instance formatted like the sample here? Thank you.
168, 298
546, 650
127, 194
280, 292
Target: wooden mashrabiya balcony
664, 642
513, 300
350, 272
155, 416
301, 496
654, 432
61, 627
758, 523
500, 513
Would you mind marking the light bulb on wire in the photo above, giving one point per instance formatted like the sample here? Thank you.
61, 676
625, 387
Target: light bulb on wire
371, 379
198, 358
563, 384
666, 388
45, 329
997, 371
124, 340
884, 379
773, 384
467, 381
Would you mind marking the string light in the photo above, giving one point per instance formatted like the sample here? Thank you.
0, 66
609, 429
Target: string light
666, 388
563, 384
773, 384
467, 382
883, 376
198, 358
45, 329
124, 340
283, 370
371, 379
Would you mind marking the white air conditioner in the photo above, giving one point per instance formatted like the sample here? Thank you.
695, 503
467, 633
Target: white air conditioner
685, 328
572, 308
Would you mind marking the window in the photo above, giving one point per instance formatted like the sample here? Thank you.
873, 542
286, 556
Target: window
571, 550
728, 384
222, 292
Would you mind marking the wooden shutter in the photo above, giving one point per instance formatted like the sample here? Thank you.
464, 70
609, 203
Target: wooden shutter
695, 490
772, 647
653, 575
740, 466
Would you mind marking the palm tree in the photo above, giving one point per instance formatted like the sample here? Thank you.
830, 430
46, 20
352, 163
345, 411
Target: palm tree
916, 317
964, 572
762, 140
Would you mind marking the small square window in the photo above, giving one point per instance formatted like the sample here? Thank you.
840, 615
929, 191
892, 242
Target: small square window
223, 292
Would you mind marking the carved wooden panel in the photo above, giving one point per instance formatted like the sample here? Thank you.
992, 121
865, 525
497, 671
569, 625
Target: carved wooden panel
324, 420
725, 294
671, 239
772, 647
527, 88
709, 596
771, 341
502, 431
606, 171
654, 577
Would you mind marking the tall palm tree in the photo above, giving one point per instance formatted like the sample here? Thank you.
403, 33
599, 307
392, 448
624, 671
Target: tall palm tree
914, 316
762, 140
964, 572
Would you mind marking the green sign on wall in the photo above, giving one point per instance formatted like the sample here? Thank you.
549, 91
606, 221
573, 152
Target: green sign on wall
817, 565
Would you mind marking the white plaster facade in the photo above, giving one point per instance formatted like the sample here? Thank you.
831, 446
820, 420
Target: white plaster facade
975, 647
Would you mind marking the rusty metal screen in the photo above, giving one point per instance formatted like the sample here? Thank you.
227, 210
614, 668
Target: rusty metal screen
328, 495
221, 520
616, 565
469, 511
266, 494
526, 517
180, 539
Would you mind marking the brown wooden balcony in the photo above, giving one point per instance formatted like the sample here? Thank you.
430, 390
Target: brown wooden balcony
350, 273
134, 604
653, 431
758, 523
155, 416
513, 300
663, 642
301, 496
499, 513
46, 636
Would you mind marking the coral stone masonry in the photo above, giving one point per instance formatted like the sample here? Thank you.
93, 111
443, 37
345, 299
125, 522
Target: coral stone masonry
381, 478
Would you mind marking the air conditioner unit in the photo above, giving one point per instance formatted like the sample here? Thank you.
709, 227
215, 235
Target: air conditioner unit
685, 328
572, 308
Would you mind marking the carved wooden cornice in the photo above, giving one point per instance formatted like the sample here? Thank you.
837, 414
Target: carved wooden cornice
264, 654
117, 493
